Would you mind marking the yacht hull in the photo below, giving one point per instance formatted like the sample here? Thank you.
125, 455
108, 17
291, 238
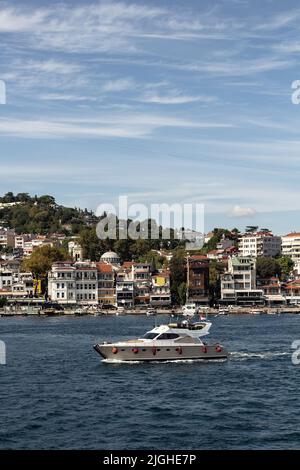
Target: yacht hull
115, 352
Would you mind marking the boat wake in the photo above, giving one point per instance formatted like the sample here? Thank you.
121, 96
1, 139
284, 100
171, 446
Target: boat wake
173, 361
244, 356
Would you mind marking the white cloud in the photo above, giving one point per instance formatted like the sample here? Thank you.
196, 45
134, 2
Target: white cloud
174, 97
239, 211
117, 85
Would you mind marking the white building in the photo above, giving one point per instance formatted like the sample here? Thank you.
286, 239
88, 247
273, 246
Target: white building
70, 283
291, 247
259, 244
75, 250
125, 287
238, 284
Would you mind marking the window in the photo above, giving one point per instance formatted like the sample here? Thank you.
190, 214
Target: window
168, 336
150, 335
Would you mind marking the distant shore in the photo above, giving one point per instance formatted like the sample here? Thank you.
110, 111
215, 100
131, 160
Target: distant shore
137, 311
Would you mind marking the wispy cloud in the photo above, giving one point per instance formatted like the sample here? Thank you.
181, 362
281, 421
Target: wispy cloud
175, 97
239, 211
117, 85
110, 126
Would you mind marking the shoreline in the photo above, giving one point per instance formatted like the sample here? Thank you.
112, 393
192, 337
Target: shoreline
138, 312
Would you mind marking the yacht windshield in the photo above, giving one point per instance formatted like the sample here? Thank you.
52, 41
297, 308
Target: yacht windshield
150, 335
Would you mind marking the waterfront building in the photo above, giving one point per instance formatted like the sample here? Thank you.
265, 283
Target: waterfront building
160, 290
198, 279
70, 283
125, 286
238, 283
106, 284
292, 292
272, 290
259, 244
142, 283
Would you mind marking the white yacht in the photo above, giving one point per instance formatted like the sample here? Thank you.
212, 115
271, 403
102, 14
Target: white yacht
171, 342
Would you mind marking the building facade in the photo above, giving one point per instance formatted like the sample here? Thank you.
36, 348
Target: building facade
238, 283
198, 279
71, 283
260, 244
106, 284
160, 290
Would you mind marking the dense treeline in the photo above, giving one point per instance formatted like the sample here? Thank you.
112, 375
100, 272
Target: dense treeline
42, 215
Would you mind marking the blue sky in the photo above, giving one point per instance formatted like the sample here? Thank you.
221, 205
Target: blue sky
164, 101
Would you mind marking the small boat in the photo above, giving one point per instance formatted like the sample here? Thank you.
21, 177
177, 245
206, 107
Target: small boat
171, 342
189, 310
255, 311
150, 312
120, 311
223, 311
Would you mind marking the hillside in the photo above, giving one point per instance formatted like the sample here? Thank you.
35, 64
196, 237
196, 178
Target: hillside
26, 214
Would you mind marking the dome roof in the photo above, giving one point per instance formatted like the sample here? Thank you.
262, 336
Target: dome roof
110, 256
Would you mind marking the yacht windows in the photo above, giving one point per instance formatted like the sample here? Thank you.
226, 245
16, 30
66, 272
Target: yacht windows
150, 335
168, 336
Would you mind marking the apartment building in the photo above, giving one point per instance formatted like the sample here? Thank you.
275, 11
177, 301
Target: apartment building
142, 283
160, 289
259, 244
125, 286
198, 279
291, 247
238, 283
7, 238
106, 284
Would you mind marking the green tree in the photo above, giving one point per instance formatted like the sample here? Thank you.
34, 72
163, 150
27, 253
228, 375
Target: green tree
267, 267
41, 260
177, 274
3, 302
182, 291
286, 265
215, 270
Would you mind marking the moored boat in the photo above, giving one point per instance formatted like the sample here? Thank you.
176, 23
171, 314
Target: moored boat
189, 310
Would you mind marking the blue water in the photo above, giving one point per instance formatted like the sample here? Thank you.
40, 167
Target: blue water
55, 393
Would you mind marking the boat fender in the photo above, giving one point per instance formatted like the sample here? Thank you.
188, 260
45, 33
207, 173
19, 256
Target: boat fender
218, 348
114, 350
204, 349
154, 350
179, 350
135, 350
